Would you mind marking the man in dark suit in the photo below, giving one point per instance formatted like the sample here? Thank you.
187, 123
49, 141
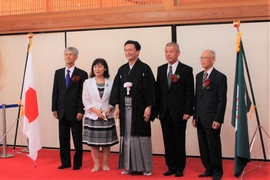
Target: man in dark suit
67, 107
175, 96
210, 105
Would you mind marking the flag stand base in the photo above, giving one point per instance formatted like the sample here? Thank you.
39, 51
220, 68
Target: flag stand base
6, 155
3, 107
253, 168
258, 129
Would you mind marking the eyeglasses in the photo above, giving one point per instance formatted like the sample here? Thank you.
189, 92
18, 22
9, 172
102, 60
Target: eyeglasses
205, 57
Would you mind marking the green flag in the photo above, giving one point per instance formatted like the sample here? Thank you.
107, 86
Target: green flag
241, 106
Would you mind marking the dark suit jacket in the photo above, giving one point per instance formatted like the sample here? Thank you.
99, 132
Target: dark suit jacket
210, 104
68, 101
179, 97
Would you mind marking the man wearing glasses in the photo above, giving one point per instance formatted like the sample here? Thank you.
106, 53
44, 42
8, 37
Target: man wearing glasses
210, 105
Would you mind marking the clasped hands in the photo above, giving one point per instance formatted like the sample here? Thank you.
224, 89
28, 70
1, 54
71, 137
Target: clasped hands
102, 114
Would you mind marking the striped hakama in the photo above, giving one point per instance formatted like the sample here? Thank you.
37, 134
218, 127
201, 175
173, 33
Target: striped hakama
135, 153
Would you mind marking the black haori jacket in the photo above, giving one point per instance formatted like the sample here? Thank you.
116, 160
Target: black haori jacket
142, 93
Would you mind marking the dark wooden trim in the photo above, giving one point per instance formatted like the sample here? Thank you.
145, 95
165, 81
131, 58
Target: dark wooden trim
174, 33
148, 15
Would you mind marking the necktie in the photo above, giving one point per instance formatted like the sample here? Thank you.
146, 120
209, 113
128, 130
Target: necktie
169, 76
67, 78
204, 76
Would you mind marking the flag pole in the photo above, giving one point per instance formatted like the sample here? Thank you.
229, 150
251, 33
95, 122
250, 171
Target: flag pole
254, 102
236, 25
30, 36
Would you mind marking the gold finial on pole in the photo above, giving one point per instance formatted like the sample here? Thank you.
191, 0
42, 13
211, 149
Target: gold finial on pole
236, 24
30, 36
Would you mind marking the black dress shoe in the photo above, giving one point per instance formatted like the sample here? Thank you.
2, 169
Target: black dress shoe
179, 174
64, 166
169, 172
216, 178
76, 167
205, 175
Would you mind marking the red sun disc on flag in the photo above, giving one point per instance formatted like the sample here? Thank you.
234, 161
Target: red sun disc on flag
31, 107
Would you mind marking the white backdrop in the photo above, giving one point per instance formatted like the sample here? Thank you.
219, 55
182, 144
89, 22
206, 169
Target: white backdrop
47, 54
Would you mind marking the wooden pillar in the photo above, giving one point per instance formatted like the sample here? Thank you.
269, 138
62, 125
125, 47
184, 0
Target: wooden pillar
174, 33
169, 4
49, 6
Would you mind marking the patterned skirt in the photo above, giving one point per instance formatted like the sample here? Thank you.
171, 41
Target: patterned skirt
99, 132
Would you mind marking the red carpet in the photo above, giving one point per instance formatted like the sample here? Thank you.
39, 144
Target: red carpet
22, 167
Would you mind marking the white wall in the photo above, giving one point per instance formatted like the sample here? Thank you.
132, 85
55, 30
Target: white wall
47, 53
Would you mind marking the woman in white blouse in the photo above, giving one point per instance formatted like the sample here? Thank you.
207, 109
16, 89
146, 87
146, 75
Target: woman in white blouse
99, 125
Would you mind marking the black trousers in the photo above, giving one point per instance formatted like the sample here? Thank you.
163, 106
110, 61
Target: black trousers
75, 127
210, 149
174, 137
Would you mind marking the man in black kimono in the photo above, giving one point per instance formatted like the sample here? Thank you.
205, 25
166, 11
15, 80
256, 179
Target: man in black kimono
133, 95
